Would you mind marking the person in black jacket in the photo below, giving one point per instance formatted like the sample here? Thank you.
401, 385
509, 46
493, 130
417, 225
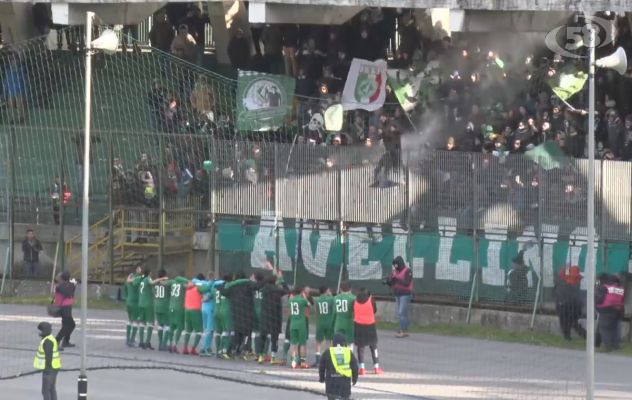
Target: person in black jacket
569, 301
31, 247
274, 290
239, 50
337, 385
242, 306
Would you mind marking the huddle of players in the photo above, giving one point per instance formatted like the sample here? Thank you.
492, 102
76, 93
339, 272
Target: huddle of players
237, 310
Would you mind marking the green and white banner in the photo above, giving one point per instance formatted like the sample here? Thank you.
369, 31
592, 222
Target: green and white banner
263, 100
405, 86
442, 263
566, 83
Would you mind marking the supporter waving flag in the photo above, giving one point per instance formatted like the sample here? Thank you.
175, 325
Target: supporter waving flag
405, 86
567, 83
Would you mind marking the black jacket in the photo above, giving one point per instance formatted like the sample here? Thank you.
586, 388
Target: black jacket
567, 294
242, 305
272, 307
31, 250
336, 384
239, 52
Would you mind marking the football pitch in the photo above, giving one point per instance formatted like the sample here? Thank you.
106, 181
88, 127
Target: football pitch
422, 366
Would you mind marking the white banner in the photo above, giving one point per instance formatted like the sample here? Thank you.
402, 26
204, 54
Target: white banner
366, 85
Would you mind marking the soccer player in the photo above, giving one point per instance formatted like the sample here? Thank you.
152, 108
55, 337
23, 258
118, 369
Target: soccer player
131, 302
146, 309
176, 311
240, 292
325, 324
161, 303
299, 311
193, 316
260, 345
272, 315
223, 322
208, 290
343, 312
364, 310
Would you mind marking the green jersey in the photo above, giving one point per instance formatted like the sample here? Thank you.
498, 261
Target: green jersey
161, 297
131, 291
298, 317
145, 293
178, 288
222, 305
343, 308
258, 299
325, 309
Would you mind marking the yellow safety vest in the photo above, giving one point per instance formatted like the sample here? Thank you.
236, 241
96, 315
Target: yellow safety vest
40, 358
341, 359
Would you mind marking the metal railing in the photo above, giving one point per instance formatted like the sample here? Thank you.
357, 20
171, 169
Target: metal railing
351, 185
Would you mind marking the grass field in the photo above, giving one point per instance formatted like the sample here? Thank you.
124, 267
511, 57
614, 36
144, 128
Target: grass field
491, 333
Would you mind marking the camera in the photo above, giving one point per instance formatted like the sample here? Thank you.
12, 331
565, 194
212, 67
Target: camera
388, 281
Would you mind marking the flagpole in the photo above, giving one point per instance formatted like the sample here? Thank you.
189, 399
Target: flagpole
590, 240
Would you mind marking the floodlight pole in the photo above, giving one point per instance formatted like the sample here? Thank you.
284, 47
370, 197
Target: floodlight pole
590, 242
85, 217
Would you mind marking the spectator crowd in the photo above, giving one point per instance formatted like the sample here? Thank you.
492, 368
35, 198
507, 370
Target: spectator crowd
471, 98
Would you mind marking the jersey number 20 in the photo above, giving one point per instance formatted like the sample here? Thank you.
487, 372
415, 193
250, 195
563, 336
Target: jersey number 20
341, 306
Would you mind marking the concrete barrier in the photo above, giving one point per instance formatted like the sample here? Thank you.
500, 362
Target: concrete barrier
432, 314
30, 288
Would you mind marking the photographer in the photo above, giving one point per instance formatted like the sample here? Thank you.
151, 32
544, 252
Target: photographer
401, 283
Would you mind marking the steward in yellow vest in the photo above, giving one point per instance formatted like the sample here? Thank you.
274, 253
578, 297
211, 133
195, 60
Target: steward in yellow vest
338, 369
47, 360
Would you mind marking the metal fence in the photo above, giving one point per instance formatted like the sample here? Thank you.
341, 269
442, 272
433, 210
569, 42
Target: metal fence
352, 185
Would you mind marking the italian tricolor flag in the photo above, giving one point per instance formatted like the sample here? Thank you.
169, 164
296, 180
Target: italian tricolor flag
366, 85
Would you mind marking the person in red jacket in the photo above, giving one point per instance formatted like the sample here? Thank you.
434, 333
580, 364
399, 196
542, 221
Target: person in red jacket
364, 310
609, 300
401, 283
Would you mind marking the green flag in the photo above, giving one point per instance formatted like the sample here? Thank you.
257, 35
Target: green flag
566, 83
405, 86
263, 100
547, 155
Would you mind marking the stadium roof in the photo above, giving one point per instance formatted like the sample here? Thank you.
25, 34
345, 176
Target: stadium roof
499, 5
